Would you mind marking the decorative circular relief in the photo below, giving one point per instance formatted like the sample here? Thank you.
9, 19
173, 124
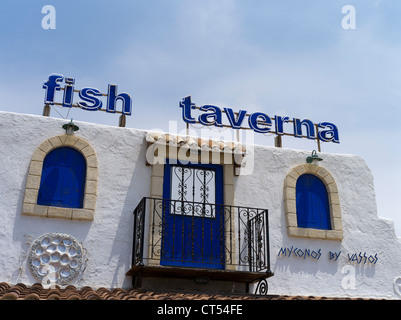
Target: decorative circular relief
56, 257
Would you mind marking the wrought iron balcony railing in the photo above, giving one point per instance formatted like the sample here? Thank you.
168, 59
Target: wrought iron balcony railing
200, 235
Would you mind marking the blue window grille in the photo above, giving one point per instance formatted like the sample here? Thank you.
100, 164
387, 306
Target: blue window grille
63, 179
312, 203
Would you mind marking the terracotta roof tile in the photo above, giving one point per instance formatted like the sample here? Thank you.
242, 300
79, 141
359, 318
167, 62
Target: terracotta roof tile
9, 296
195, 142
32, 296
21, 291
4, 287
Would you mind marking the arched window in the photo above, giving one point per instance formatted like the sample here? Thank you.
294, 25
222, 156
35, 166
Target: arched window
301, 210
77, 151
63, 179
312, 203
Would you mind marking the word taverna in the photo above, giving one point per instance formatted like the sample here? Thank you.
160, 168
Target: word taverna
257, 121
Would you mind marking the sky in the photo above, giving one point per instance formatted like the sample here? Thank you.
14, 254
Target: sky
292, 58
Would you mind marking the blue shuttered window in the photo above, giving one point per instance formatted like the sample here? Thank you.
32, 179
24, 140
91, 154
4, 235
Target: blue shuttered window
63, 179
312, 203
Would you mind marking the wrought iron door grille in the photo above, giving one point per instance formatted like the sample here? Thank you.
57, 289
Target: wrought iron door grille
190, 185
242, 234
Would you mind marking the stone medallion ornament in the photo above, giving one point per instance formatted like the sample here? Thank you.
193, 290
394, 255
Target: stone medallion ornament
55, 258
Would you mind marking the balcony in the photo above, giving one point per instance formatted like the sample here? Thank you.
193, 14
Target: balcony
200, 241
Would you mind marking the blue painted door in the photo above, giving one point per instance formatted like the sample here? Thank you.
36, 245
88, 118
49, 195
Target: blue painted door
312, 203
63, 179
193, 218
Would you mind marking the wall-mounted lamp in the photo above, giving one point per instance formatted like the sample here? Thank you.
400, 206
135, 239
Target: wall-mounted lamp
313, 157
70, 127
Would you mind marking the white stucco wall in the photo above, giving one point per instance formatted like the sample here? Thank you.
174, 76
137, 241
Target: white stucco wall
363, 230
124, 179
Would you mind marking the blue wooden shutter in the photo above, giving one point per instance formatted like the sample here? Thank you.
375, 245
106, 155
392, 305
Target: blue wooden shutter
312, 203
63, 179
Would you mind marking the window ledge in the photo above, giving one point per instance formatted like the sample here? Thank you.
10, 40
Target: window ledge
315, 233
32, 209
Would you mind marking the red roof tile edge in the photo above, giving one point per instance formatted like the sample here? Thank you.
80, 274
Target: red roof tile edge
21, 291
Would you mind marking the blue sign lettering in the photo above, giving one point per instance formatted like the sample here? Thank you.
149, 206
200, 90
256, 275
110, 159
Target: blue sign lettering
51, 86
68, 92
90, 97
112, 98
310, 128
214, 116
262, 126
235, 123
258, 122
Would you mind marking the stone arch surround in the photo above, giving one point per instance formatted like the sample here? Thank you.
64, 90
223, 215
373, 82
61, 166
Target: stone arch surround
30, 206
336, 233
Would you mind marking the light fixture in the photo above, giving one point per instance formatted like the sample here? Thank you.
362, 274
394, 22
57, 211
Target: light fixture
313, 157
70, 127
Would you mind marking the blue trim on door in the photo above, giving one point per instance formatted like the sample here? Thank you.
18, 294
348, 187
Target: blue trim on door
179, 247
312, 203
63, 179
